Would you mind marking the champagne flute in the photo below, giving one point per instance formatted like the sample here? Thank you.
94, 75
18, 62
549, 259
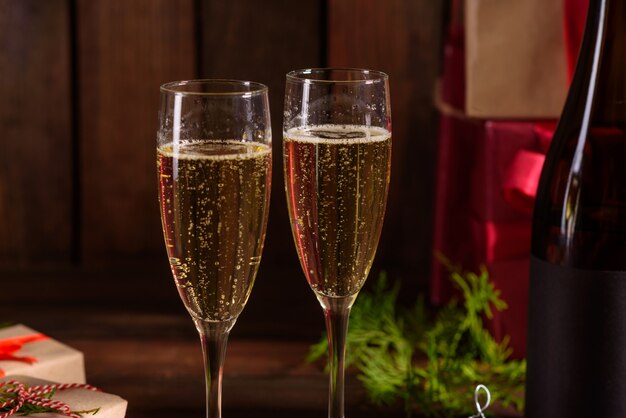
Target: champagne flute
337, 155
214, 171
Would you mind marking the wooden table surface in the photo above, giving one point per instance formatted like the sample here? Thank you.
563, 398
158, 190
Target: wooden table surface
139, 343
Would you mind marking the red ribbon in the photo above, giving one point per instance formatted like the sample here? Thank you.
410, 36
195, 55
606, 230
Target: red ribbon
10, 346
34, 395
522, 177
575, 13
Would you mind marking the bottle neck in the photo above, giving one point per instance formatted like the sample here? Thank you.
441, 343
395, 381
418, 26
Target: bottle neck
600, 77
580, 215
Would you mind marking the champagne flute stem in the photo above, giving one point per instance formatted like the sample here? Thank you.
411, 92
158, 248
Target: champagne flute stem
337, 314
214, 338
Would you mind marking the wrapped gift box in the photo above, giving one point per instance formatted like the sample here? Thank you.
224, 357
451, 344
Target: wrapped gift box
486, 180
488, 169
77, 399
508, 76
26, 352
475, 223
515, 58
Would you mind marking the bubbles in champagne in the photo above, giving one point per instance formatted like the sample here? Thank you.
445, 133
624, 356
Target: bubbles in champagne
337, 179
214, 198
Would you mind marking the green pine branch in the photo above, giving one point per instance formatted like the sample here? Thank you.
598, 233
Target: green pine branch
431, 364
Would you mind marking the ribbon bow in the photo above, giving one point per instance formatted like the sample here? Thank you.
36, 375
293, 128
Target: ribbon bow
20, 394
10, 346
522, 177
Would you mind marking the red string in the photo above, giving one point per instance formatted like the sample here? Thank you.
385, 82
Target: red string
34, 395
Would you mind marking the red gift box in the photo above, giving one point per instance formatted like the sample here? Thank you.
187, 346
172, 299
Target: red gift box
487, 177
475, 223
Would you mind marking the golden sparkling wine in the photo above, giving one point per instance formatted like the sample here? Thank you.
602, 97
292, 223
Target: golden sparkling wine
336, 178
214, 200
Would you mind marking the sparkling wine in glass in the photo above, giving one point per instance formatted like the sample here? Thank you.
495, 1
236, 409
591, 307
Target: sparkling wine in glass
337, 154
214, 171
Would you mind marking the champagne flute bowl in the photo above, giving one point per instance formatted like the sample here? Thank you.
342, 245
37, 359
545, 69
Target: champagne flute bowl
214, 171
337, 155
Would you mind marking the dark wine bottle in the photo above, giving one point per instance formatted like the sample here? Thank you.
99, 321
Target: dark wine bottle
577, 309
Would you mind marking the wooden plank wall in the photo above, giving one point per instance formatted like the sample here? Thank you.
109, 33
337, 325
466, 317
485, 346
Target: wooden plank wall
126, 49
36, 186
79, 91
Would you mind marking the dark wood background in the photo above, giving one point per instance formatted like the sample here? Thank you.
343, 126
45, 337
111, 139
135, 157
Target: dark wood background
81, 250
79, 88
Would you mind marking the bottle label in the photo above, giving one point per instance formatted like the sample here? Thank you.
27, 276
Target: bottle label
576, 343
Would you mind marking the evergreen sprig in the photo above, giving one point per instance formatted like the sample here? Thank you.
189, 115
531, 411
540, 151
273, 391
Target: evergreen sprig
431, 364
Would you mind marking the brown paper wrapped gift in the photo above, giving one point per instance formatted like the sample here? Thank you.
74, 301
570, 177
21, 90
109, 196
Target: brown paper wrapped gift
515, 59
24, 351
84, 402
